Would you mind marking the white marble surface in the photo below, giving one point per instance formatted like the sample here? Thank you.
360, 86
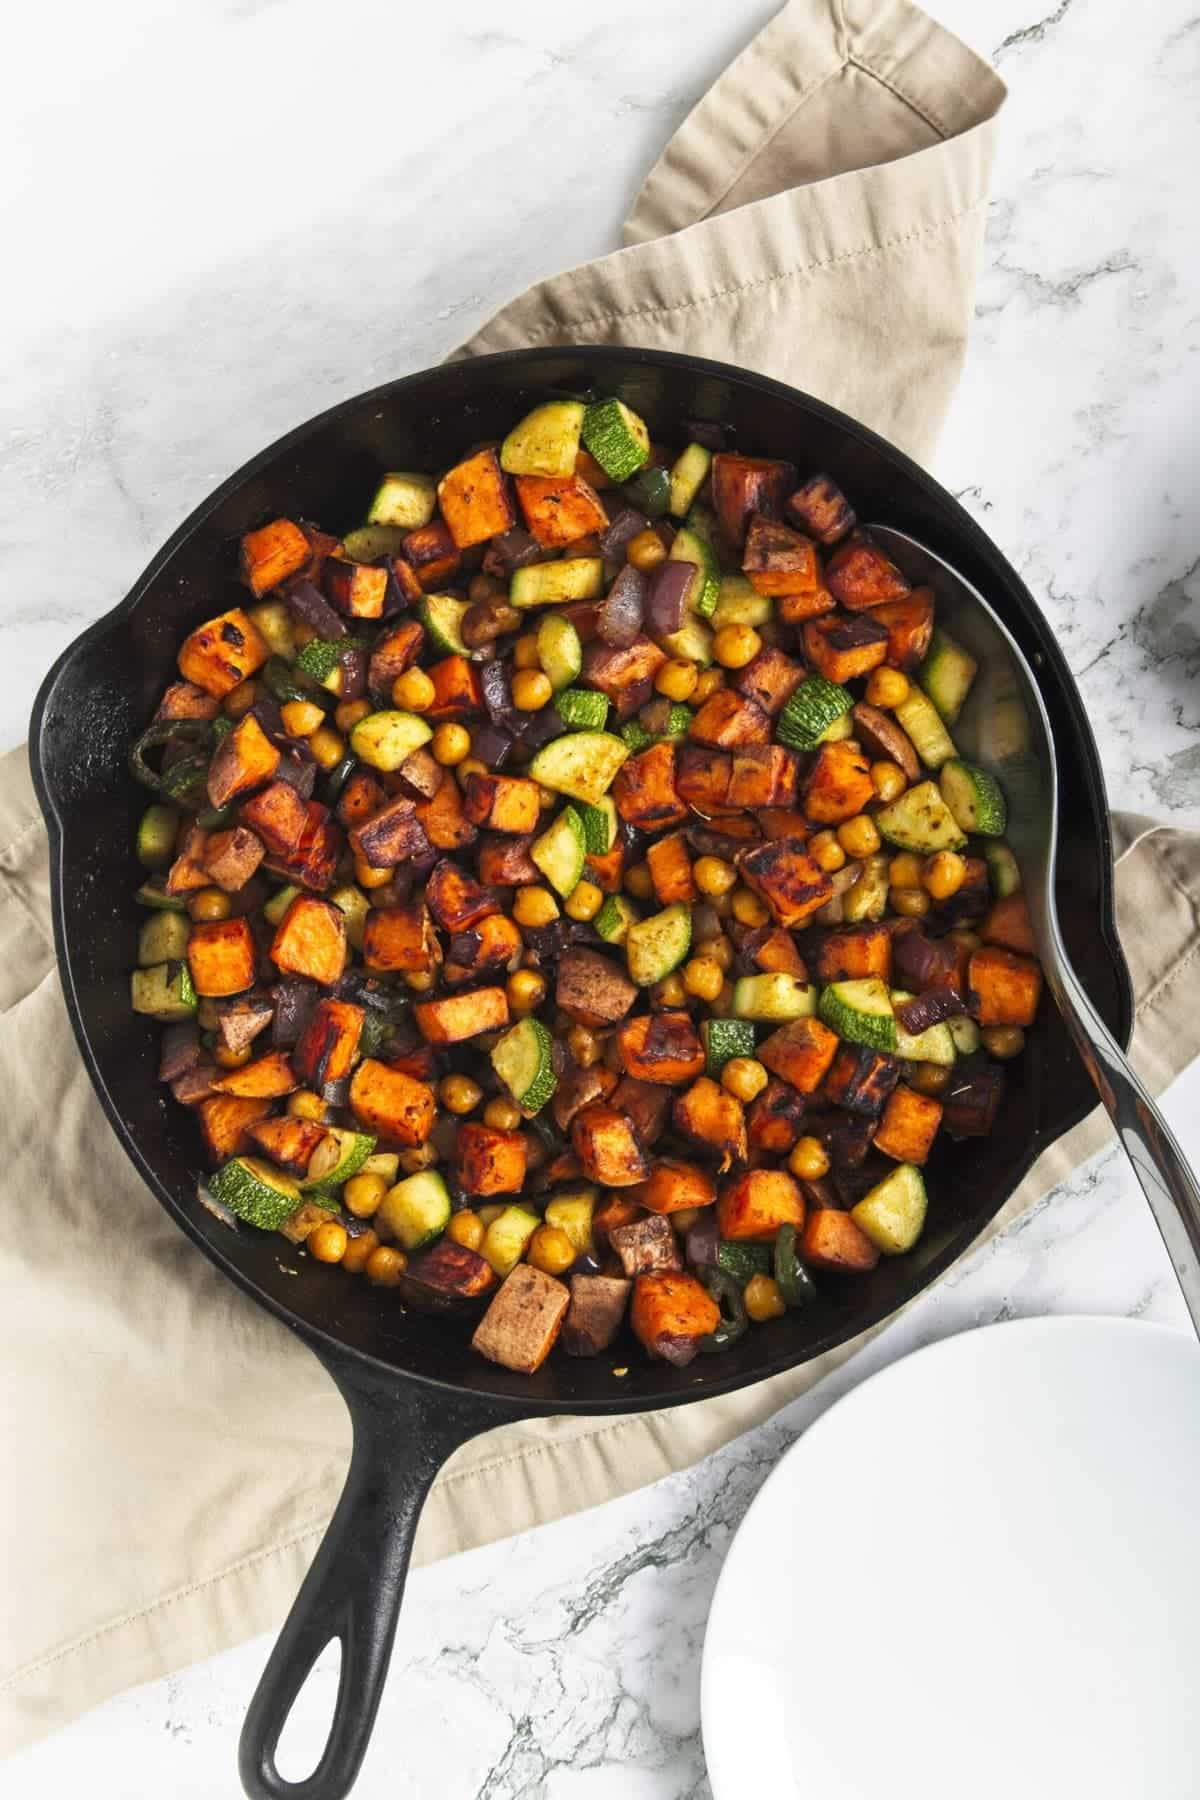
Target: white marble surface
223, 216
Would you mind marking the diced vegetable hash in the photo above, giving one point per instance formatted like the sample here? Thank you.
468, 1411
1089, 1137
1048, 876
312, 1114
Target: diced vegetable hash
565, 902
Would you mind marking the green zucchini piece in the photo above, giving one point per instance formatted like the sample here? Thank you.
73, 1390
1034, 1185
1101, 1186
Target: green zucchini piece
164, 992
354, 905
946, 674
552, 583
507, 1238
279, 902
255, 1191
773, 998
286, 682
546, 441
936, 1044
919, 717
615, 917
893, 1213
416, 1210
841, 728
580, 764
617, 438
156, 836
572, 1212
921, 821
636, 737
367, 543
812, 709
655, 946
739, 604
791, 1277
689, 472
691, 643
742, 1260
559, 651
974, 797
560, 851
678, 720
723, 1039
860, 1012
964, 1035
152, 893
383, 1162
649, 491
383, 740
442, 616
163, 939
403, 499
523, 1059
273, 622
705, 586
599, 825
1003, 872
340, 1154
321, 656
582, 709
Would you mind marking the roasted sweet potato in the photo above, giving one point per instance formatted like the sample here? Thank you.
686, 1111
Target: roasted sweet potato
670, 869
592, 990
607, 871
408, 582
728, 719
784, 875
577, 1088
310, 941
455, 899
243, 1018
793, 609
856, 952
432, 554
489, 1161
909, 1125
520, 1326
245, 759
188, 873
462, 1016
859, 575
621, 673
753, 1207
393, 653
268, 1077
221, 957
840, 646
743, 485
832, 1240
222, 652
820, 508
288, 1143
774, 1120
646, 1104
456, 689
770, 679
184, 700
646, 1246
909, 625
644, 790
559, 509
660, 1047
485, 948
231, 857
475, 497
391, 1103
271, 554
1007, 924
1002, 988
774, 952
671, 1315
607, 1147
443, 820
508, 803
800, 1052
392, 836
861, 1080
329, 1043
446, 1276
506, 862
782, 821
674, 1186
702, 777
278, 816
778, 560
362, 797
838, 784
223, 1124
762, 775
711, 1116
357, 589
594, 1317
314, 859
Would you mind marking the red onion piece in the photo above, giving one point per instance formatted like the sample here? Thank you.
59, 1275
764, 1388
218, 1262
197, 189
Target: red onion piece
702, 1240
294, 1005
492, 745
620, 619
625, 523
665, 597
930, 1008
308, 606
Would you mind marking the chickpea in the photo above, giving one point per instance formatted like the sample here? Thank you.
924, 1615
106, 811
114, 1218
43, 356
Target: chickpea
736, 645
638, 881
419, 980
349, 713
720, 950
904, 871
910, 903
763, 1299
368, 878
667, 993
386, 1265
359, 1251
748, 909
714, 876
707, 684
887, 687
362, 1195
943, 875
328, 1242
809, 1160
451, 744
466, 1228
858, 836
240, 699
547, 798
306, 1105
703, 978
1002, 1041
646, 550
889, 781
526, 990
826, 852
584, 901
207, 905
328, 747
928, 1078
459, 1094
531, 690
535, 906
502, 1114
525, 652
583, 1046
421, 1156
551, 1250
413, 691
226, 1058
744, 1077
677, 680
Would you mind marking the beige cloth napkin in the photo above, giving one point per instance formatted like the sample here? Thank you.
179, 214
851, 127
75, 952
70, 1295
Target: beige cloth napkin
173, 1453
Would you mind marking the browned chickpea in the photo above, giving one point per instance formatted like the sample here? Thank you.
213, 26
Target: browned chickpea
889, 781
525, 652
583, 1046
226, 1058
526, 990
858, 836
359, 1252
328, 1242
451, 744
349, 713
362, 1195
421, 1156
551, 1250
714, 876
637, 881
413, 691
306, 1105
763, 1299
809, 1160
668, 993
502, 1114
646, 550
328, 747
677, 680
531, 690
904, 870
466, 1228
207, 905
944, 874
535, 906
367, 877
826, 852
744, 1077
736, 645
703, 978
748, 909
709, 681
1003, 1041
459, 1094
910, 903
887, 687
386, 1265
584, 901
928, 1078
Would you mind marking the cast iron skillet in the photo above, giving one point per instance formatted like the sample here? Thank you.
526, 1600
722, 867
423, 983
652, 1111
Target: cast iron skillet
414, 1389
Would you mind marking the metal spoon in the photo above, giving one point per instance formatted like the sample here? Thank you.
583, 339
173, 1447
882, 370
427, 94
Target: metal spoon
1004, 728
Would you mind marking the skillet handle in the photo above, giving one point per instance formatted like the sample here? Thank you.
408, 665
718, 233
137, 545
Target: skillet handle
352, 1592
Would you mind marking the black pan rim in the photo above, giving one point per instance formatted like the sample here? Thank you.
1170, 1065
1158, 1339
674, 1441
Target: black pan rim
709, 1384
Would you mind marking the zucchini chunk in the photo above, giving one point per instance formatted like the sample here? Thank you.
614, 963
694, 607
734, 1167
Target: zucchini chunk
946, 674
442, 616
974, 797
403, 499
812, 710
892, 1214
340, 1154
922, 722
921, 821
860, 1012
613, 433
416, 1210
689, 472
772, 998
546, 441
936, 1044
523, 1059
723, 1039
164, 992
705, 585
560, 851
655, 946
599, 825
551, 583
383, 740
256, 1192
581, 764
560, 651
614, 919
582, 709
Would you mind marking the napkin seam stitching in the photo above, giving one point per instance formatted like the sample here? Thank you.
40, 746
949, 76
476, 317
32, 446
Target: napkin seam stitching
893, 87
756, 150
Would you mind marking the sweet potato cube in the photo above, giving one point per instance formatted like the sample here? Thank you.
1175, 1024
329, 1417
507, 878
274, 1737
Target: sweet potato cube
222, 652
783, 874
398, 938
268, 1077
231, 857
456, 689
592, 990
711, 1116
406, 579
310, 940
841, 647
184, 700
1002, 988
419, 776
393, 652
762, 775
670, 869
777, 955
909, 625
221, 957
778, 560
859, 575
445, 823
559, 509
391, 1103
702, 777
838, 784
774, 1121
519, 1328
313, 861
820, 508
363, 796
607, 1147
752, 1208
909, 1125
447, 1275
462, 1016
832, 1240
793, 609
392, 836
607, 871
273, 553
476, 500
503, 803
646, 1246
456, 899
800, 1052
224, 1121
357, 589
674, 1186
1007, 924
288, 1143
432, 555
644, 790
188, 873
661, 1047
646, 1104
855, 953
770, 679
621, 673
245, 759
506, 862
278, 816
671, 1315
594, 1317
490, 1162
329, 1043
861, 1080
728, 719
744, 485
488, 947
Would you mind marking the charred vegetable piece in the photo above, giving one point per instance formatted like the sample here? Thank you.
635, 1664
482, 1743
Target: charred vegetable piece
310, 941
671, 1315
520, 1326
595, 1314
832, 1240
607, 1147
476, 500
390, 1103
222, 653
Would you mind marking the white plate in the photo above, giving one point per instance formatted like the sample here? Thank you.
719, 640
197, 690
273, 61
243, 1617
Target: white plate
977, 1576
